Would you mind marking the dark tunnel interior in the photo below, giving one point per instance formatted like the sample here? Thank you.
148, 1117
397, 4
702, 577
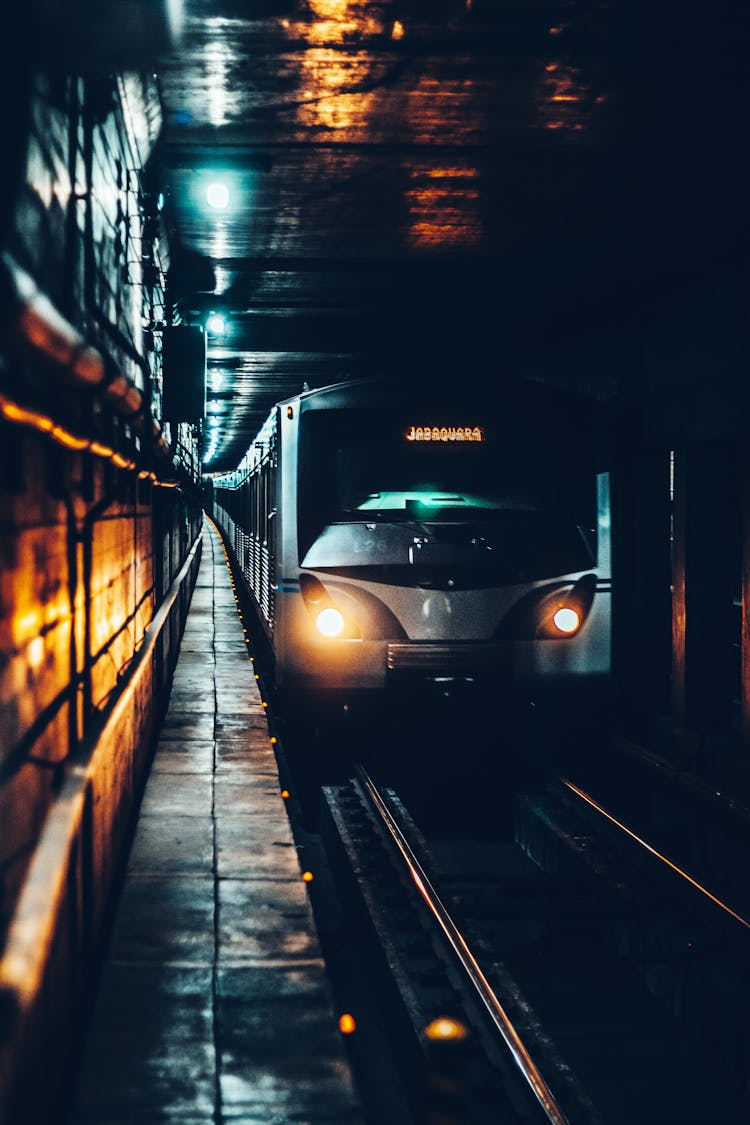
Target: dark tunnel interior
210, 207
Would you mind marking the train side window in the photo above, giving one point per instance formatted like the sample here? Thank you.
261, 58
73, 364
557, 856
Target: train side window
249, 502
264, 502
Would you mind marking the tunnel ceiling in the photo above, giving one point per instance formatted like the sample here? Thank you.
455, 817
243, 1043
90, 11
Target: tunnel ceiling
436, 189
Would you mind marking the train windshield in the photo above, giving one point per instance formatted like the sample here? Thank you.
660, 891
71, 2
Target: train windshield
371, 486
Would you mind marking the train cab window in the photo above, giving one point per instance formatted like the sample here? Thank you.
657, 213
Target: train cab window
367, 495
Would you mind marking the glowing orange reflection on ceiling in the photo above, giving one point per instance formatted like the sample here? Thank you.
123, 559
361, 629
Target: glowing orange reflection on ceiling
338, 21
331, 103
443, 208
565, 101
330, 9
331, 80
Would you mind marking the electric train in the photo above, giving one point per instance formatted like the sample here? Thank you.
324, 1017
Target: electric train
402, 537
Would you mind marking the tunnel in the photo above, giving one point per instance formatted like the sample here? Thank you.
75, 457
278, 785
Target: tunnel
209, 208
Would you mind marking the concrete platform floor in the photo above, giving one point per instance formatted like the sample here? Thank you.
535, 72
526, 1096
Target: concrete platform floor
214, 1004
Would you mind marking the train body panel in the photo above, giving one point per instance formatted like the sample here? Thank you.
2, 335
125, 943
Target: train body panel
380, 552
443, 635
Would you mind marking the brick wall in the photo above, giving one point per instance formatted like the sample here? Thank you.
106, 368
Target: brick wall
88, 553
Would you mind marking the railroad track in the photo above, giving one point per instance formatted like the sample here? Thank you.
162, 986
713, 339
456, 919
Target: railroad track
593, 981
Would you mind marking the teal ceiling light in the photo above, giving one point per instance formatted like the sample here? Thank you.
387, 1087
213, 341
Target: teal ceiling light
217, 195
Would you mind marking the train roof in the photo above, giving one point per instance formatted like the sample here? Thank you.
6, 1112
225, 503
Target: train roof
507, 392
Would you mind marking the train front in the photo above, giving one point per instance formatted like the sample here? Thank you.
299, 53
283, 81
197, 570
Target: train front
443, 544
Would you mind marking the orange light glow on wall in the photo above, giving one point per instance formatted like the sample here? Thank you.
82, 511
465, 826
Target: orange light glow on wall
70, 441
347, 1024
35, 653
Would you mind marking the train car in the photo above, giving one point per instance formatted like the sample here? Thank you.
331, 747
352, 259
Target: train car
395, 538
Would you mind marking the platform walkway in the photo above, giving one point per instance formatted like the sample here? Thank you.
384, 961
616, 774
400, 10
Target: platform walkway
214, 1004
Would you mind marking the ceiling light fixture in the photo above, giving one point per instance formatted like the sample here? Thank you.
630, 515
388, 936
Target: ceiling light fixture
217, 195
216, 324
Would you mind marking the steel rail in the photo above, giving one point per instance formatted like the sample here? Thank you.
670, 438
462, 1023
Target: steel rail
589, 800
482, 988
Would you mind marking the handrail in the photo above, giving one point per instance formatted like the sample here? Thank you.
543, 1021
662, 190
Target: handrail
483, 989
32, 928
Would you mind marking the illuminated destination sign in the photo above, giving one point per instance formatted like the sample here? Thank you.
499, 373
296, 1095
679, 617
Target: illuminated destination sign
444, 433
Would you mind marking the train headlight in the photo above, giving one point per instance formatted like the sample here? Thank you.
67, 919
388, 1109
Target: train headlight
330, 622
567, 620
557, 612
